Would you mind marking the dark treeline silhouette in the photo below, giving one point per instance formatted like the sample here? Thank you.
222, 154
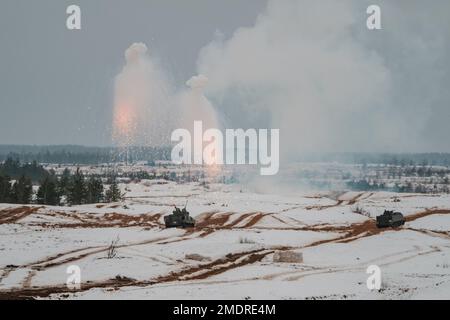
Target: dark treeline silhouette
83, 155
70, 189
400, 159
401, 178
408, 187
16, 180
73, 154
21, 191
17, 191
14, 169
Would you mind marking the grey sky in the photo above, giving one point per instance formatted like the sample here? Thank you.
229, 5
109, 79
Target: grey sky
56, 85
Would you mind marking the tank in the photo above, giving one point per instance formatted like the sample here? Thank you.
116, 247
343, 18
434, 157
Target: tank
390, 219
179, 218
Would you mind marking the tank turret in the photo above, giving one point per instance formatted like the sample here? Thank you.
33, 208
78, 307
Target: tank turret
390, 219
179, 218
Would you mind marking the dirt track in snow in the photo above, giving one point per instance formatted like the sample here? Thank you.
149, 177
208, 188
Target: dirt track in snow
16, 214
207, 224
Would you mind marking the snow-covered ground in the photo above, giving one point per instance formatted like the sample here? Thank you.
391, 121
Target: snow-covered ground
235, 239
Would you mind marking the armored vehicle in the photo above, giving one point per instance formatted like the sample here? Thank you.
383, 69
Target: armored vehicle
390, 219
179, 218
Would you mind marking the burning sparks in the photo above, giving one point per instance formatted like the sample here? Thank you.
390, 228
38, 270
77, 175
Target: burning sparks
123, 120
142, 102
144, 113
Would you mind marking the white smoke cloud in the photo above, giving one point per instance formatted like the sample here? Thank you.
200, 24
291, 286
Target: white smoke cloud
147, 110
199, 82
311, 69
136, 53
194, 106
142, 101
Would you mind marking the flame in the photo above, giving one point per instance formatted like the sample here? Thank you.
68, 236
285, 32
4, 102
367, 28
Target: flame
211, 165
213, 170
123, 118
124, 123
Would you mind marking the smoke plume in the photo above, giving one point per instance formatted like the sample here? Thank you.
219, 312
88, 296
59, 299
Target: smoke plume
142, 101
195, 106
313, 70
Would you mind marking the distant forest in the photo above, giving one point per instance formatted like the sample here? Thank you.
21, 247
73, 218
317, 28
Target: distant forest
17, 180
73, 154
396, 159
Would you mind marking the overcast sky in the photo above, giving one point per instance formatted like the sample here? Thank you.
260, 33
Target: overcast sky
56, 85
298, 61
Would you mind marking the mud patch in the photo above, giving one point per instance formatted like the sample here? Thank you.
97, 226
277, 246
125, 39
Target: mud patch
16, 214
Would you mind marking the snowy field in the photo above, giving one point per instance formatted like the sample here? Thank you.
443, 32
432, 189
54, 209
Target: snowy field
229, 254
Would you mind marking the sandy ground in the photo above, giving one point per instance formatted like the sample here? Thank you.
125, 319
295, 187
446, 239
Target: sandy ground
236, 235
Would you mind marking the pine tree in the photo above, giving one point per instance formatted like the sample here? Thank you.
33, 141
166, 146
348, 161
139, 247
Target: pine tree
22, 191
113, 194
5, 189
77, 192
94, 190
47, 192
63, 183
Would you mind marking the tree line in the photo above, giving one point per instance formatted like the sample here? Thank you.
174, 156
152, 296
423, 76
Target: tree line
396, 159
83, 155
71, 189
15, 169
407, 187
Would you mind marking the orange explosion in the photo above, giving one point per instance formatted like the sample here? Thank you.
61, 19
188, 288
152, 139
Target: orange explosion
123, 123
